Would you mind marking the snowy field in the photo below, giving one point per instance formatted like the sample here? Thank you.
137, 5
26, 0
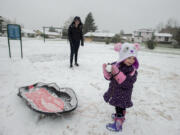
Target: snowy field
156, 95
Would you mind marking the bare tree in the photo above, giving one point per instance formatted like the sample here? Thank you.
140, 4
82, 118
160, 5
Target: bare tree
121, 32
66, 26
160, 26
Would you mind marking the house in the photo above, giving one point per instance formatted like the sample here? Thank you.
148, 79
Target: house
127, 37
38, 32
137, 39
163, 37
53, 34
3, 25
98, 36
143, 35
57, 34
28, 33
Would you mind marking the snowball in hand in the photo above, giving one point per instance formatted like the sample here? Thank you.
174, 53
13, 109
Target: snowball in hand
108, 68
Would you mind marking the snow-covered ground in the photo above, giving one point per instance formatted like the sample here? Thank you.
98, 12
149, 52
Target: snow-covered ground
156, 95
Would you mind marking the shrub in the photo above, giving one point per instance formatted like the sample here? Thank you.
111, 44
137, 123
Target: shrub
116, 39
151, 44
107, 40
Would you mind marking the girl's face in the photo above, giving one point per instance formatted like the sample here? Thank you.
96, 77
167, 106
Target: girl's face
129, 61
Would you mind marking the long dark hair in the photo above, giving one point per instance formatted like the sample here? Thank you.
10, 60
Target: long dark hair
79, 19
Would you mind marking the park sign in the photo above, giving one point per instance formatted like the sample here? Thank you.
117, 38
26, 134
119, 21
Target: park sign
14, 33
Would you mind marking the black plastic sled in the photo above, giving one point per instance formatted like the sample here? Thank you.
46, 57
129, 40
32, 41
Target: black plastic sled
49, 99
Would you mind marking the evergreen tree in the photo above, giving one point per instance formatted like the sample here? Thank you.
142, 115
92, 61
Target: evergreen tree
1, 25
89, 24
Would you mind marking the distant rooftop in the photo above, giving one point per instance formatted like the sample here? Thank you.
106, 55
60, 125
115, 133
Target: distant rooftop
144, 30
99, 34
28, 31
162, 34
52, 33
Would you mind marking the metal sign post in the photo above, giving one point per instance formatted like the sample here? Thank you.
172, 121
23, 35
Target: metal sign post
44, 33
14, 33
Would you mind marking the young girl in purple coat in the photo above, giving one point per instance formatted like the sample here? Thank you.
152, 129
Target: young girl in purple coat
122, 75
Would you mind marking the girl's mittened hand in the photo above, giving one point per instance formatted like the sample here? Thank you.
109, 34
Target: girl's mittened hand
114, 70
104, 66
107, 75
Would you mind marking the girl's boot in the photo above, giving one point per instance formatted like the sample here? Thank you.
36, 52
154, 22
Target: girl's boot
117, 125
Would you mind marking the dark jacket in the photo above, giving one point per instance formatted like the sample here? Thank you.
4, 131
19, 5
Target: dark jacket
75, 34
120, 94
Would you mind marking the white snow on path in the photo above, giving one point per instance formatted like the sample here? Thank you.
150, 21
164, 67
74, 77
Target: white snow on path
156, 95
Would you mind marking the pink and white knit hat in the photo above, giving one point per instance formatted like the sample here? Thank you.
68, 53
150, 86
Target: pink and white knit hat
126, 50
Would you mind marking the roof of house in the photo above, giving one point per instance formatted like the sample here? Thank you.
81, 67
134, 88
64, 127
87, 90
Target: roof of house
48, 33
162, 34
99, 34
123, 37
144, 30
52, 33
127, 35
28, 31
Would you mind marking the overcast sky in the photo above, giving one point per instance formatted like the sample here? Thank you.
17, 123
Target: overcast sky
112, 15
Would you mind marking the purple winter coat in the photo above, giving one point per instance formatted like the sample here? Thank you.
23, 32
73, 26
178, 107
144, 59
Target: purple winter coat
120, 94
